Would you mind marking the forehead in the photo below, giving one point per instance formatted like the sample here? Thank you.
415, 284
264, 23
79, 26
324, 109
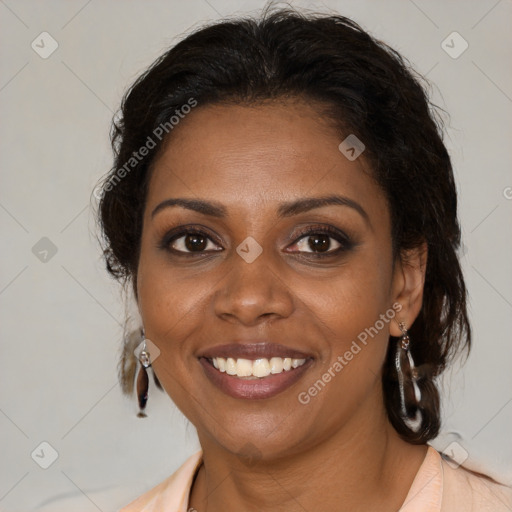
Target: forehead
250, 157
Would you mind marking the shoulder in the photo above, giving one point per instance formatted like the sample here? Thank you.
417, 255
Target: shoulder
170, 494
467, 490
443, 486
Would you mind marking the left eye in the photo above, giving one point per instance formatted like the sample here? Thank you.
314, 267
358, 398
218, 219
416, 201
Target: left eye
318, 243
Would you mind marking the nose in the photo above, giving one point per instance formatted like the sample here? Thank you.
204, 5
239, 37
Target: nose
253, 292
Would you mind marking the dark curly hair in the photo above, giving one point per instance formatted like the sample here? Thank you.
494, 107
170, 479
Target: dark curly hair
365, 88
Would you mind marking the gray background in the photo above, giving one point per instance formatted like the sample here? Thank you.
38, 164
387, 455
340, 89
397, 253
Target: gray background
61, 315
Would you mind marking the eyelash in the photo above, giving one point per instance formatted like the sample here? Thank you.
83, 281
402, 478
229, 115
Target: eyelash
345, 242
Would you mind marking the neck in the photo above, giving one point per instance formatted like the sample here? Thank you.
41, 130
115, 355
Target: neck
363, 466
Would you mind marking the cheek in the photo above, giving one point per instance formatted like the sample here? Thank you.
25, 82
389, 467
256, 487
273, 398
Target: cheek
168, 297
173, 308
170, 305
354, 313
352, 299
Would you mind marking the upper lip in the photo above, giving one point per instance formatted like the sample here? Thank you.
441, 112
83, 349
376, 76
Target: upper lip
253, 350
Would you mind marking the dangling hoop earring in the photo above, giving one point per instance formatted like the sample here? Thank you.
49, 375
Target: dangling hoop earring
142, 377
403, 355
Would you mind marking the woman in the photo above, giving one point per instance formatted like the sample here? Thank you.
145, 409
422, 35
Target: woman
284, 208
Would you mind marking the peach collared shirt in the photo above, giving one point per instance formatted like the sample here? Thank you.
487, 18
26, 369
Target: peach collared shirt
437, 487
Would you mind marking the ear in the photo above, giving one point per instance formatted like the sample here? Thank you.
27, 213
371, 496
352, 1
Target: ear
407, 285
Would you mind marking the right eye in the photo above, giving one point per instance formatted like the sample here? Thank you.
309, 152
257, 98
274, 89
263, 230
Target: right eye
189, 241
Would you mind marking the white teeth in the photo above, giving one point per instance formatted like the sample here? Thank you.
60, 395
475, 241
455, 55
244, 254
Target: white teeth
230, 366
276, 365
261, 368
243, 367
258, 368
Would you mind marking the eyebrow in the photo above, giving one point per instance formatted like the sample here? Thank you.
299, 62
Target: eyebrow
287, 209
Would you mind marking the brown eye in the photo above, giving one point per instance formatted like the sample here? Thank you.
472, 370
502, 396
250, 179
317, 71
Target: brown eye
191, 242
319, 242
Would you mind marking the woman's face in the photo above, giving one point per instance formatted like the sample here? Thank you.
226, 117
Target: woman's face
261, 272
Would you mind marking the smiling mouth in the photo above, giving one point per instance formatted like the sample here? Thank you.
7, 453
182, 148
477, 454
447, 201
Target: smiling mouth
260, 378
255, 369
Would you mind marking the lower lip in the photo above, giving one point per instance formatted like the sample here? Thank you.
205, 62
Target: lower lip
254, 389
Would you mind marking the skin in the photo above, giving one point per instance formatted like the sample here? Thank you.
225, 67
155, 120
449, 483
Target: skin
339, 451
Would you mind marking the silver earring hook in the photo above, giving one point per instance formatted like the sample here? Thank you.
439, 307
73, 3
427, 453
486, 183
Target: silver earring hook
144, 356
405, 340
403, 346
